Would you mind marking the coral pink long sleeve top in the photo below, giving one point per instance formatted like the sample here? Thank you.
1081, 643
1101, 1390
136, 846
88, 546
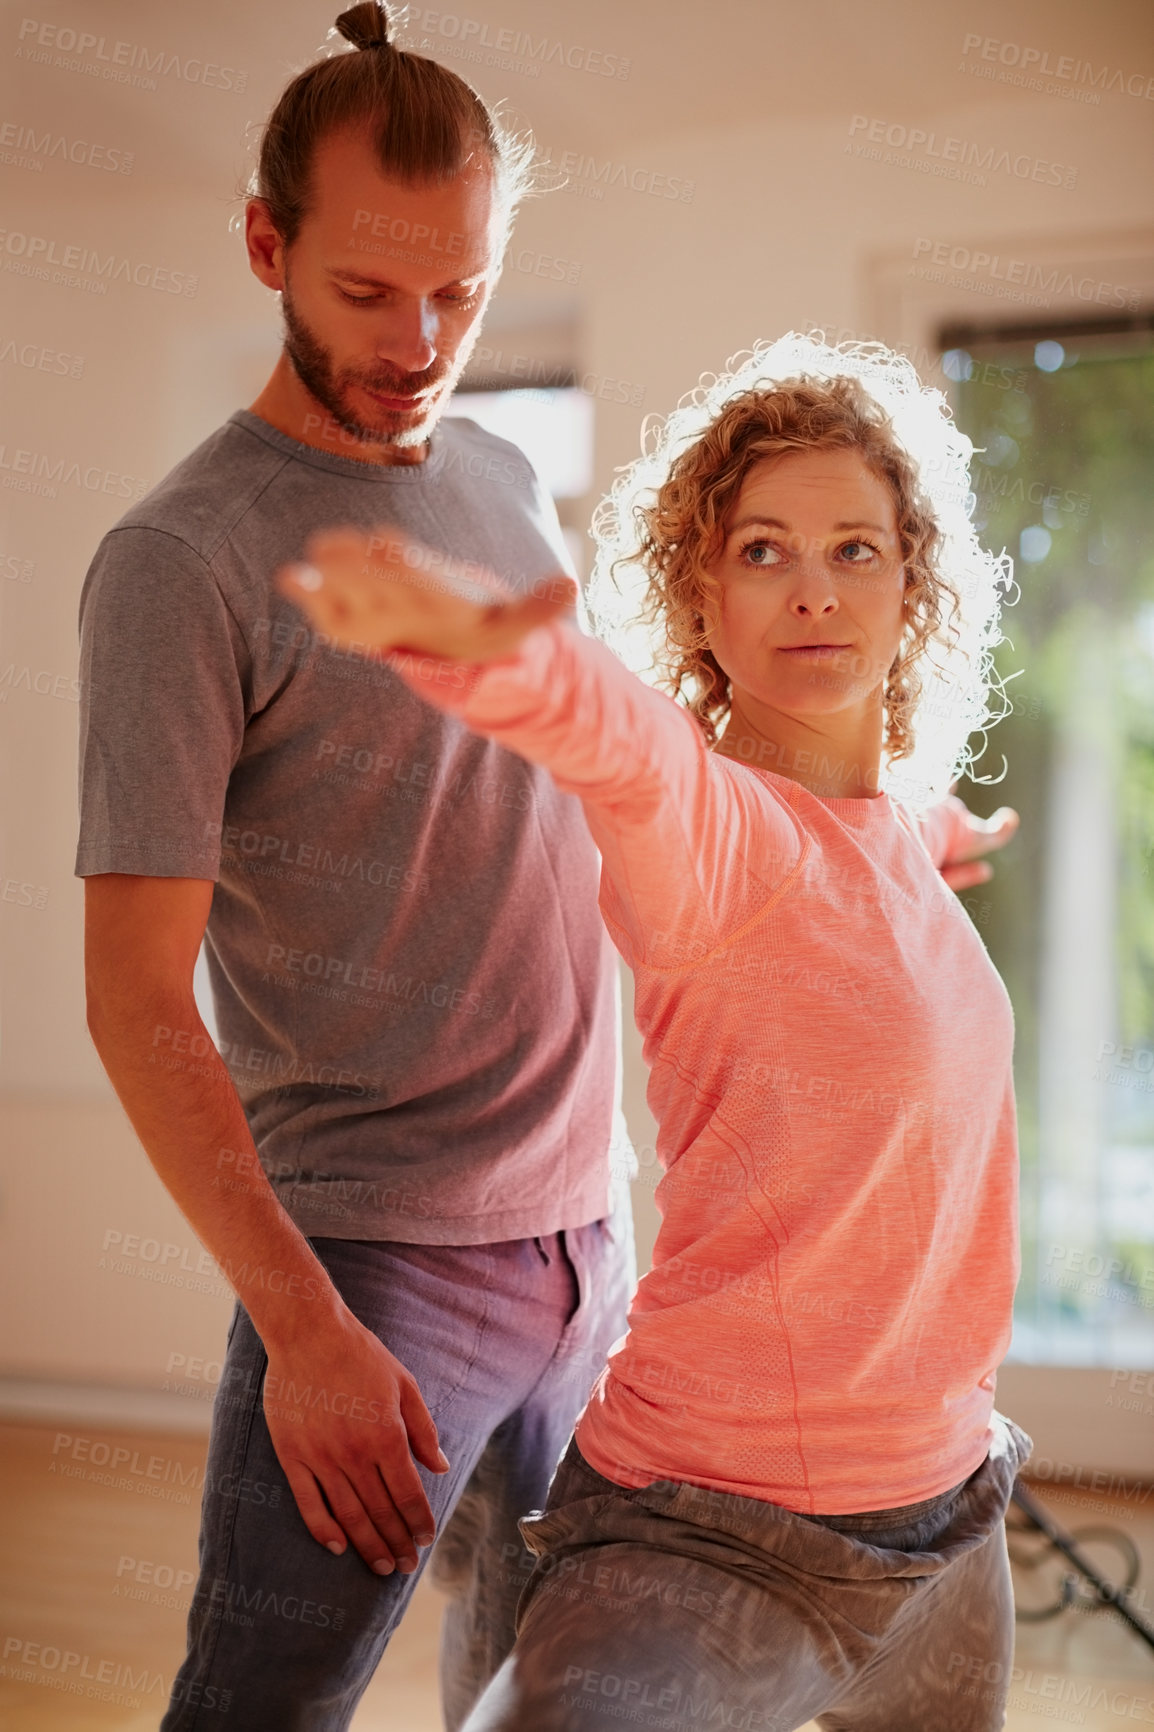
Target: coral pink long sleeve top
830, 1070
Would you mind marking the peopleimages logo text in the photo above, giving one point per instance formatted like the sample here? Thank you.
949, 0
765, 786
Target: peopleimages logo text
124, 62
1066, 67
962, 155
31, 255
1048, 280
472, 34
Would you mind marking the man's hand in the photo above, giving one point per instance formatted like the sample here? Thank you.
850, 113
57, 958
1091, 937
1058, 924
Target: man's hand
385, 591
965, 867
346, 1420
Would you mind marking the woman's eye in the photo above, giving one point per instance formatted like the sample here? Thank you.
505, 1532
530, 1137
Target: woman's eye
857, 552
759, 553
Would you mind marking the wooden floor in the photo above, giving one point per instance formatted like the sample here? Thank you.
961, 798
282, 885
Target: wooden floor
69, 1605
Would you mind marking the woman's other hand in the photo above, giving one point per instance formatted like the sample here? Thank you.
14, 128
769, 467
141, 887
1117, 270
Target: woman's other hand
965, 866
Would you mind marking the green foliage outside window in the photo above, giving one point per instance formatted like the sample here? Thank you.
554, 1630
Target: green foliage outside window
1065, 482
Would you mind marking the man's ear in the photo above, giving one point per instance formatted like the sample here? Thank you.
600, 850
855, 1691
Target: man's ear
264, 244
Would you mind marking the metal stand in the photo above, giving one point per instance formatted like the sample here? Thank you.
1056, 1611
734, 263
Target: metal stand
1106, 1595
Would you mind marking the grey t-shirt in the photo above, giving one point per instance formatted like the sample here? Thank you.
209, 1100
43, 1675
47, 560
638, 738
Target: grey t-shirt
414, 993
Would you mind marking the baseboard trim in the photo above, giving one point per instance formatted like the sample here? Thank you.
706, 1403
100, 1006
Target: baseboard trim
1083, 1420
109, 1407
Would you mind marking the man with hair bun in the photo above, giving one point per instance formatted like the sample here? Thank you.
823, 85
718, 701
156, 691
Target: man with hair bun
399, 1157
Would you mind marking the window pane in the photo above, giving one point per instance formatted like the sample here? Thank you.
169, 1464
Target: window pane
554, 428
1065, 482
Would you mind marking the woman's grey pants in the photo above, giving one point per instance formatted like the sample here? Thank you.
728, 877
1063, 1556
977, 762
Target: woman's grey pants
685, 1609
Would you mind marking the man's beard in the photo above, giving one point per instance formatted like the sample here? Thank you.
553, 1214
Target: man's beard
330, 387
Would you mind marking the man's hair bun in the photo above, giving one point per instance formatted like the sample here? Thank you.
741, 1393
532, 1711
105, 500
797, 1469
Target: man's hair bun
365, 26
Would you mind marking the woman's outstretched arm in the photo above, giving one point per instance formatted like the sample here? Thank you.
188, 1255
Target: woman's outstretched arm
692, 849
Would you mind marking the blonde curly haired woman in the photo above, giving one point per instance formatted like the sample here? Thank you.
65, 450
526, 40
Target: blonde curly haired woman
784, 1499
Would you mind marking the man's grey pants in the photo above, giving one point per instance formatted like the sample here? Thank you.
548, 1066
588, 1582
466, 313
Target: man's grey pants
685, 1609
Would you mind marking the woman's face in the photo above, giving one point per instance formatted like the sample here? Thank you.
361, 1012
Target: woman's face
812, 584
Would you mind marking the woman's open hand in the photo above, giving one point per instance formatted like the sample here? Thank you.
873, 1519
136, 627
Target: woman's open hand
383, 590
965, 866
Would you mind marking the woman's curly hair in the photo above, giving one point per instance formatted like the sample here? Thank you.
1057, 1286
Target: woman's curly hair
664, 524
